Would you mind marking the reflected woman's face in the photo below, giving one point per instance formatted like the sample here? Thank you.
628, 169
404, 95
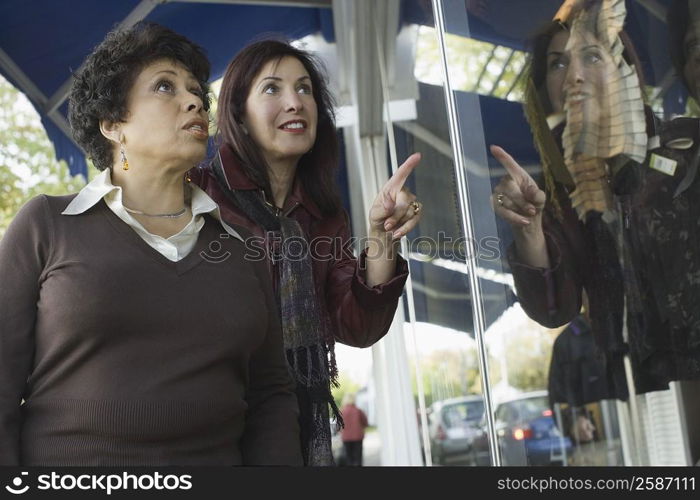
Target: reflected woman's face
579, 70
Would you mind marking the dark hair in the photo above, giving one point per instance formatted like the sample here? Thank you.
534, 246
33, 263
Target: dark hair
678, 20
101, 86
316, 169
538, 59
537, 67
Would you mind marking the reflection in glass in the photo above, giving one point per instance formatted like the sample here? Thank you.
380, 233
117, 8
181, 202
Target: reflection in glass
584, 104
453, 427
604, 208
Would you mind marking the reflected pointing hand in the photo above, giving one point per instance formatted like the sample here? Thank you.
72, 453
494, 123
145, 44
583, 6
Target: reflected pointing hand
517, 198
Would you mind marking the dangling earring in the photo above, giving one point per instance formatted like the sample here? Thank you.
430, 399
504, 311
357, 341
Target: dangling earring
187, 177
125, 162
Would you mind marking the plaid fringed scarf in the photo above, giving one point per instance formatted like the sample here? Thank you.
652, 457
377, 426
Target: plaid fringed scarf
308, 339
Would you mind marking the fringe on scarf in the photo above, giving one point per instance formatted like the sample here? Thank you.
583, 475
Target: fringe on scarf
306, 327
309, 366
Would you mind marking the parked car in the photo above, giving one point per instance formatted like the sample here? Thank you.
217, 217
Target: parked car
453, 424
526, 432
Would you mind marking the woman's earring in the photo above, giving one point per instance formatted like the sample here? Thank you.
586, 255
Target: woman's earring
187, 177
125, 162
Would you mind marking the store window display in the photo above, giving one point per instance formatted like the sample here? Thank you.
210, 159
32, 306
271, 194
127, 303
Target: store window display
567, 234
606, 209
617, 215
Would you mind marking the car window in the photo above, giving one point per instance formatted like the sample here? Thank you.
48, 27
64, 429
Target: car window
453, 416
503, 412
458, 414
475, 410
527, 409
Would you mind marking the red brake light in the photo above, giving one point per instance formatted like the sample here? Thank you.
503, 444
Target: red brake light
522, 433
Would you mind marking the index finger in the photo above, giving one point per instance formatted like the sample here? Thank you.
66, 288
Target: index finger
517, 172
399, 178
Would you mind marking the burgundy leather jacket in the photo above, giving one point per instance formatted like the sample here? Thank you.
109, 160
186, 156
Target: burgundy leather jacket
361, 315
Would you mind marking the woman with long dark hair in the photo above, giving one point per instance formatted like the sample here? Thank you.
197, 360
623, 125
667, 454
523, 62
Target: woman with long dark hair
274, 174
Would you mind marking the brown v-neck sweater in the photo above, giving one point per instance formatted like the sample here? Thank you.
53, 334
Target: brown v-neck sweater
126, 358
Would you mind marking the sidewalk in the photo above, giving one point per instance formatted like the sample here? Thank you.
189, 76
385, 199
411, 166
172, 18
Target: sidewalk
371, 449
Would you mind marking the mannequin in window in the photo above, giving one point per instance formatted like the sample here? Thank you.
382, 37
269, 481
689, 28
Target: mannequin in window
620, 244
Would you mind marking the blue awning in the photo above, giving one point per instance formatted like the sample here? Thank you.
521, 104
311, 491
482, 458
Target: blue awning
43, 41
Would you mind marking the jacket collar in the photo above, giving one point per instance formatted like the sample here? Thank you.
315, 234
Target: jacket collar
236, 178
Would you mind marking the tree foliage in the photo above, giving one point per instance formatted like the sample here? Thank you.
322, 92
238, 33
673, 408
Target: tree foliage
447, 374
527, 356
474, 65
28, 165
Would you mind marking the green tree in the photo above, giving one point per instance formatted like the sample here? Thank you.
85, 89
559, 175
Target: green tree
28, 164
474, 66
527, 356
447, 374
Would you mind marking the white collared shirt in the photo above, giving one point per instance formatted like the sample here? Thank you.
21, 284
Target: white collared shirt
173, 248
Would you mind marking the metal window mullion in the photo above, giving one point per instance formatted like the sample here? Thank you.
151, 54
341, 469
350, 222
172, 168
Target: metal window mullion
463, 191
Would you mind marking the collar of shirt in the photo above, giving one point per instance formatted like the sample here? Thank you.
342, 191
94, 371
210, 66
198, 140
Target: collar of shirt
175, 247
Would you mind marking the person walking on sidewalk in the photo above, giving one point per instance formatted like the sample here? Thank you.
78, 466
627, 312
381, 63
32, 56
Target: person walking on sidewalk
354, 431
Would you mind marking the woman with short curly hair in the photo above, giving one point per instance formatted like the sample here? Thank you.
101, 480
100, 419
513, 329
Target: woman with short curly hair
133, 330
101, 88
